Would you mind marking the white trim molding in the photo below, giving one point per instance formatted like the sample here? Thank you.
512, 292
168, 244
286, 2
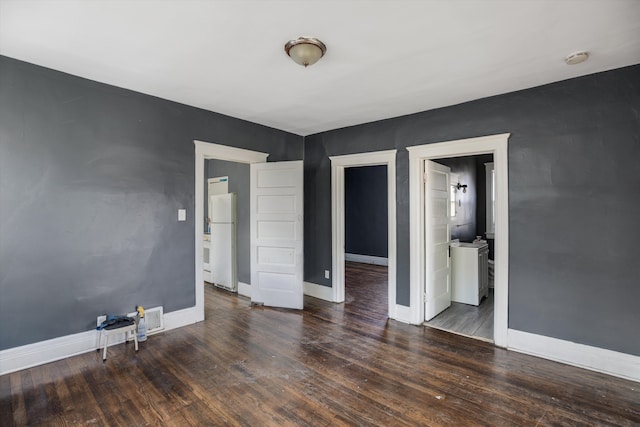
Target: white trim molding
366, 259
180, 318
244, 289
229, 154
338, 164
39, 353
496, 145
204, 151
403, 313
597, 359
488, 182
318, 291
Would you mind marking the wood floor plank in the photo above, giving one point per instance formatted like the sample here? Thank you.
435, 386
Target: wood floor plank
84, 407
11, 404
328, 365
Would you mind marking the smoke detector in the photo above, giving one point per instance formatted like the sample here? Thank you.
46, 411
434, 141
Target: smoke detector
576, 57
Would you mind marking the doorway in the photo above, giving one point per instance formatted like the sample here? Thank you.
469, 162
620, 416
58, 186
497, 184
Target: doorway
229, 181
497, 146
338, 165
470, 307
366, 240
204, 151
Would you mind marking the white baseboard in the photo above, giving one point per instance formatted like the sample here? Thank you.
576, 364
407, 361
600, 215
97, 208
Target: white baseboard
609, 362
39, 353
366, 259
244, 289
403, 314
318, 291
179, 318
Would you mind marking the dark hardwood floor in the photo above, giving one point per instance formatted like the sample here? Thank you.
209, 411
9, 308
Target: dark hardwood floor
366, 290
330, 364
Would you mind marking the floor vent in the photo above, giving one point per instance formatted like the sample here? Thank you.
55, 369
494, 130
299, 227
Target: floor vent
155, 319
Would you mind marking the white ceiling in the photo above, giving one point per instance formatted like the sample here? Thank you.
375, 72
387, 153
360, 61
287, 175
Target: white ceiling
384, 58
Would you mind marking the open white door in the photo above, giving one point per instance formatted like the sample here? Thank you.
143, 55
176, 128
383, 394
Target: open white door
276, 234
437, 239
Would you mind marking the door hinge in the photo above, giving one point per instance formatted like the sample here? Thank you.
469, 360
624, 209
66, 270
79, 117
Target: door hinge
424, 177
426, 297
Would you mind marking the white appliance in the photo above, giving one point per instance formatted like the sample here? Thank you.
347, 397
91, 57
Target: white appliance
222, 244
219, 185
469, 272
206, 257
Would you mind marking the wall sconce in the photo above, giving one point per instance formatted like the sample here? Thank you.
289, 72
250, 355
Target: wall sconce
464, 187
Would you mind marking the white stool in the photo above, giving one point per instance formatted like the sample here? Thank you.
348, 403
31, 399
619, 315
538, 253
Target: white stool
108, 332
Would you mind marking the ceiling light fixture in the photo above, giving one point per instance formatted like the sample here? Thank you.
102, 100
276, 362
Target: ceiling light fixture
576, 57
305, 50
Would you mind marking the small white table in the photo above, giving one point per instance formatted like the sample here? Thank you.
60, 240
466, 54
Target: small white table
108, 332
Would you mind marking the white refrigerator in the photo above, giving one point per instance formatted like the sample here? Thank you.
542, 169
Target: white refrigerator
222, 253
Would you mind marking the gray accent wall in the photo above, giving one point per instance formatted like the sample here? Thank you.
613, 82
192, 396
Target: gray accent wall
91, 180
365, 210
239, 182
573, 200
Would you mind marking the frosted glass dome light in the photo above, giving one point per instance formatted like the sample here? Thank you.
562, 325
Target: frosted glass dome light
305, 50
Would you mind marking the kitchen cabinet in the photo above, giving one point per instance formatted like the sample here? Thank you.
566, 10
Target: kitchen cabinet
469, 272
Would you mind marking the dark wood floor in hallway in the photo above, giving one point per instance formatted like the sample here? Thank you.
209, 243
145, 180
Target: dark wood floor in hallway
366, 291
330, 364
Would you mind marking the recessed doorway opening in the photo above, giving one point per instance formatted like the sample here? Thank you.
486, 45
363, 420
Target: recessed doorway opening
338, 165
207, 151
421, 260
471, 225
366, 240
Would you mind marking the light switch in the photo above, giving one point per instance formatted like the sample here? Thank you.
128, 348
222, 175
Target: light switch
182, 214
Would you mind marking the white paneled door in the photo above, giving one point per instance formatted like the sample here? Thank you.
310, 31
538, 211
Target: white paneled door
277, 234
437, 239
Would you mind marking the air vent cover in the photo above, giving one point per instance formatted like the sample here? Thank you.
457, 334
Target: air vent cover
155, 319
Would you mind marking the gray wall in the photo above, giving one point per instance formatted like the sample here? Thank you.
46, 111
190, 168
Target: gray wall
91, 180
463, 225
239, 182
365, 210
573, 200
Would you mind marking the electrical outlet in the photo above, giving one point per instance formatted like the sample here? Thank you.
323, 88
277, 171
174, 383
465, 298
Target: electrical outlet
326, 274
100, 319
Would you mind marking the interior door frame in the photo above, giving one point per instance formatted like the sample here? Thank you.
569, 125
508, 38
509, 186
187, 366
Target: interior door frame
206, 151
492, 144
338, 164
